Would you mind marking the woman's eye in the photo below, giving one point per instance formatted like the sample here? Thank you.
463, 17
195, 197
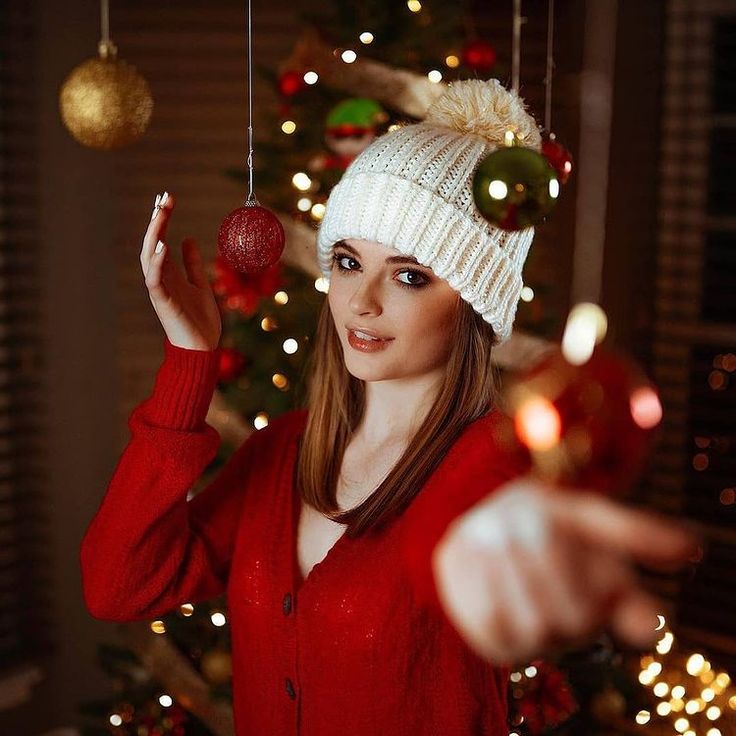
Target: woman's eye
415, 279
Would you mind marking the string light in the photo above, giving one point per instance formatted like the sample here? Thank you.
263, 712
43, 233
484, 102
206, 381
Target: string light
281, 297
304, 204
218, 618
166, 700
322, 285
301, 181
366, 37
261, 420
290, 346
452, 61
414, 5
288, 127
349, 56
311, 77
435, 76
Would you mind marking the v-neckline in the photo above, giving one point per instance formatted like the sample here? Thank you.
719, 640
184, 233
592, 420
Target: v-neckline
296, 508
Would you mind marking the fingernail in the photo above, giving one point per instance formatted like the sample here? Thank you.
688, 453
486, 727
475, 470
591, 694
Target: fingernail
164, 199
159, 246
158, 199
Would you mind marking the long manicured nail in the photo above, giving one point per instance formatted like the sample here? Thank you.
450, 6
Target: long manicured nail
155, 212
164, 199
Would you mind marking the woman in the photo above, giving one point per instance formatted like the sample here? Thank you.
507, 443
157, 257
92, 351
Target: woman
385, 562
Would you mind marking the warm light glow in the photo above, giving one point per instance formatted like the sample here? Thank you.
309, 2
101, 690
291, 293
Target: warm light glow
186, 609
349, 56
663, 709
661, 689
642, 717
647, 678
158, 626
515, 677
318, 211
530, 671
115, 719
218, 618
586, 327
723, 679
414, 5
452, 61
279, 380
366, 37
682, 724
678, 691
304, 204
677, 705
695, 664
281, 297
261, 420
268, 324
527, 294
665, 643
538, 423
713, 732
732, 702
322, 284
166, 700
508, 137
692, 706
554, 188
311, 77
713, 713
290, 346
655, 668
301, 181
497, 189
435, 76
707, 695
288, 127
645, 407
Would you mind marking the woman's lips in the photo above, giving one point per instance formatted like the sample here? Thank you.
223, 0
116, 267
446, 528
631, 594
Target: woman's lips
366, 346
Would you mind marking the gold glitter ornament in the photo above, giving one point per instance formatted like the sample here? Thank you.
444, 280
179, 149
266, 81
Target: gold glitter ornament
105, 103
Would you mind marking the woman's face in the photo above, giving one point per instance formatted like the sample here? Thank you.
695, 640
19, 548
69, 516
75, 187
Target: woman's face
400, 300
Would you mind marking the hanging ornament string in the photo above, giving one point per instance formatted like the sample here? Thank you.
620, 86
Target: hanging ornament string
105, 21
555, 152
251, 196
550, 64
251, 238
516, 46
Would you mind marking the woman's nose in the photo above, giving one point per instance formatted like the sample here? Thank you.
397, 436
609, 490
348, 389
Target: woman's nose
366, 297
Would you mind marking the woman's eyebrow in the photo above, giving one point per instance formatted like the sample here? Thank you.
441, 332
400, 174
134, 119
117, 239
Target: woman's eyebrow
390, 259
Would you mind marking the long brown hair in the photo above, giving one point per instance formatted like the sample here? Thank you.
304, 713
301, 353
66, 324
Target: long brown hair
336, 401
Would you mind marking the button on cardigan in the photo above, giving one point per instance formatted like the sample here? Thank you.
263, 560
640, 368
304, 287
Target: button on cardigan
362, 645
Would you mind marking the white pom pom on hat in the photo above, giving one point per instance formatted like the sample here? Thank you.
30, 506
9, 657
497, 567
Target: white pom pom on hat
412, 189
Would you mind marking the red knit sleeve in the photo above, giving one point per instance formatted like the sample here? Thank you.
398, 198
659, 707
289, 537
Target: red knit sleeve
147, 549
475, 466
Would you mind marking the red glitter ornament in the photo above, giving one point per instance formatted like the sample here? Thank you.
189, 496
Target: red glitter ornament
251, 238
479, 56
231, 365
558, 156
291, 82
585, 426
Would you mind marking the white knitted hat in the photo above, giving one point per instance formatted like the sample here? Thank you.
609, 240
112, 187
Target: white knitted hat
412, 189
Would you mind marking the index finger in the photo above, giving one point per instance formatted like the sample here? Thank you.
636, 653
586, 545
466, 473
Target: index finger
156, 229
650, 537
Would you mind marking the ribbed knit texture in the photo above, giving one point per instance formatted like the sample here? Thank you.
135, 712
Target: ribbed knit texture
412, 189
361, 646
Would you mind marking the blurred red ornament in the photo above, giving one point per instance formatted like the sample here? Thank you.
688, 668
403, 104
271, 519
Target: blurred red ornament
243, 292
547, 700
558, 156
231, 365
479, 55
251, 238
585, 426
291, 82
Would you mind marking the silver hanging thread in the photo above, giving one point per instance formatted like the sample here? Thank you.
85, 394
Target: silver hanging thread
252, 199
516, 46
550, 66
105, 48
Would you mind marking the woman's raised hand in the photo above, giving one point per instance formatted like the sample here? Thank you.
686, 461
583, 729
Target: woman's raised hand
183, 300
532, 567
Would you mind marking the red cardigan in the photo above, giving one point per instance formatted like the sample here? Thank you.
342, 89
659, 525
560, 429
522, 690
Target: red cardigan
362, 645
